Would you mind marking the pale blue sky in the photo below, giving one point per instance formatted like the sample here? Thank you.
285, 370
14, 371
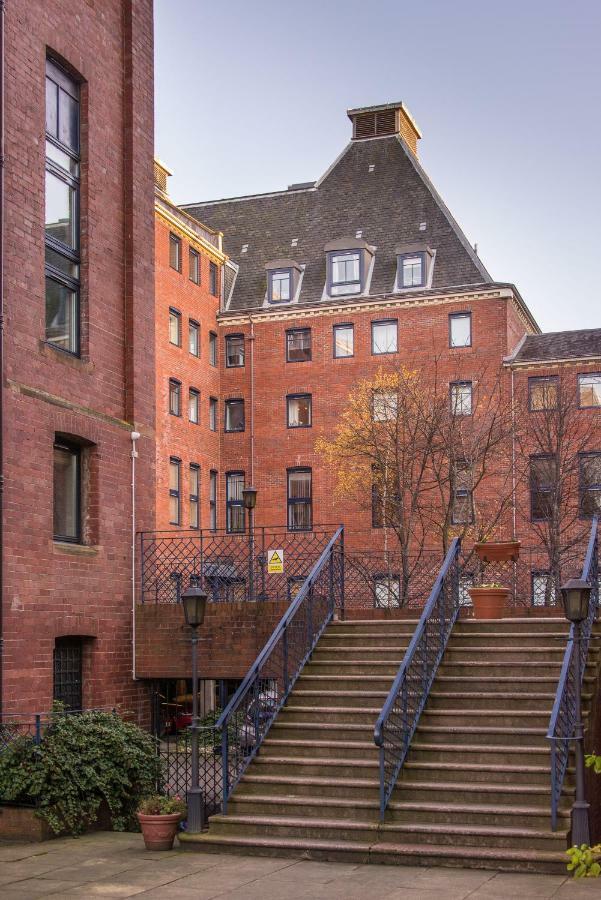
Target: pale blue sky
251, 97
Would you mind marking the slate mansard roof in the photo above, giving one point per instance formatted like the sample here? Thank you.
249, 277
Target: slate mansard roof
559, 345
387, 205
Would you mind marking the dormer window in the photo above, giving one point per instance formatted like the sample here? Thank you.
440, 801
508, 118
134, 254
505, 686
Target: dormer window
283, 280
414, 266
349, 263
412, 270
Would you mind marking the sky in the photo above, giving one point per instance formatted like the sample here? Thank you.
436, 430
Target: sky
252, 97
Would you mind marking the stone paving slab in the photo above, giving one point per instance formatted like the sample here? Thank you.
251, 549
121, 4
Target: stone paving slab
114, 865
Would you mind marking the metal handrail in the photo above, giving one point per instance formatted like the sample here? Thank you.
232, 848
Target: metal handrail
564, 713
280, 660
397, 722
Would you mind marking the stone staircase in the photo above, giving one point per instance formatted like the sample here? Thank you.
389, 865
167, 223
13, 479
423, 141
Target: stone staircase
475, 788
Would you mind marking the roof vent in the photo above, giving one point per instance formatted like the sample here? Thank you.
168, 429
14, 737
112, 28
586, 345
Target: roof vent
244, 248
161, 174
294, 242
371, 167
301, 186
382, 121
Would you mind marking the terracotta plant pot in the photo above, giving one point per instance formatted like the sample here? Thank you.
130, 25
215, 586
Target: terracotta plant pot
498, 551
489, 602
159, 831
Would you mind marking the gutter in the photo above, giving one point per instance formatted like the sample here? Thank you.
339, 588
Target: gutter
2, 91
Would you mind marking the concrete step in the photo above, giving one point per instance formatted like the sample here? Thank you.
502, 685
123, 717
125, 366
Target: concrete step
513, 625
468, 791
479, 753
355, 715
327, 698
384, 653
513, 656
322, 767
505, 718
508, 772
360, 787
472, 683
508, 638
482, 734
344, 682
273, 746
483, 668
319, 730
353, 667
490, 700
365, 639
372, 626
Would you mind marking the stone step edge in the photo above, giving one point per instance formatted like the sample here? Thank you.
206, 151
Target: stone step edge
328, 762
415, 746
450, 786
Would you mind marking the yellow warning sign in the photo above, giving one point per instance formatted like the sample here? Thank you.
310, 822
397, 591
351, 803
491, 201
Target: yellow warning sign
275, 562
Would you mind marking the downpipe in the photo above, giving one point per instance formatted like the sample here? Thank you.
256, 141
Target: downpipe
2, 204
135, 437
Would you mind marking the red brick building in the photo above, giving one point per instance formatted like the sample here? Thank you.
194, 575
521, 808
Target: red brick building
78, 340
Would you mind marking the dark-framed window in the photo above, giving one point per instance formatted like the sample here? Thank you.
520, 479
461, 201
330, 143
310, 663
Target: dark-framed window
194, 265
175, 327
345, 272
234, 502
460, 329
175, 466
300, 500
462, 512
387, 590
175, 252
175, 397
194, 337
194, 405
67, 669
543, 393
543, 474
298, 345
234, 414
590, 484
412, 270
213, 413
461, 398
62, 226
542, 586
344, 341
194, 495
212, 348
234, 351
299, 410
67, 492
213, 475
589, 390
279, 285
213, 285
385, 336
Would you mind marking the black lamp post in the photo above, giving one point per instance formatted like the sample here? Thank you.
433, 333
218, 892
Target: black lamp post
249, 496
194, 601
576, 596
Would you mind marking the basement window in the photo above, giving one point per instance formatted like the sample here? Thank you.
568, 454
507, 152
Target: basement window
387, 591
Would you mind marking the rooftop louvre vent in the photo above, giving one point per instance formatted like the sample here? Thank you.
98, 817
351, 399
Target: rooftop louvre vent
381, 121
161, 174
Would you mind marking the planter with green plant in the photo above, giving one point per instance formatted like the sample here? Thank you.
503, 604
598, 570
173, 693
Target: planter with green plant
489, 601
159, 817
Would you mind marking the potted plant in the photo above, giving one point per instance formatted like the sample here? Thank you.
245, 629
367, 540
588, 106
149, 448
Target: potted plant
497, 551
159, 817
489, 600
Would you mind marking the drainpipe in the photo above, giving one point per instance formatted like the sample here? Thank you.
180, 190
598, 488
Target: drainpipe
2, 14
135, 437
513, 478
252, 399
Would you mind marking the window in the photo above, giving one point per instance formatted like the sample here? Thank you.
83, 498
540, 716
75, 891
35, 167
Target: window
298, 410
590, 485
384, 406
193, 405
234, 415
234, 503
542, 487
67, 672
460, 330
589, 390
298, 345
194, 495
412, 270
462, 508
461, 398
542, 393
279, 286
543, 589
299, 500
234, 351
344, 341
387, 591
67, 492
174, 490
384, 337
62, 230
213, 279
194, 337
175, 327
213, 413
213, 500
344, 273
175, 393
194, 265
175, 252
212, 348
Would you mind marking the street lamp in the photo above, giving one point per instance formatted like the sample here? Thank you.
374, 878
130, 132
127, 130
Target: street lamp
576, 596
249, 497
194, 601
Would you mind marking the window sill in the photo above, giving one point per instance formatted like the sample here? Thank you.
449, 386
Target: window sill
76, 362
66, 547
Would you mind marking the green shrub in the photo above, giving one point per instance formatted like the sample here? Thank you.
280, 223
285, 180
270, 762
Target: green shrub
585, 861
82, 760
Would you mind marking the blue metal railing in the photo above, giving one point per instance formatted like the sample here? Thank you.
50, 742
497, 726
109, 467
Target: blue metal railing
563, 717
248, 716
400, 714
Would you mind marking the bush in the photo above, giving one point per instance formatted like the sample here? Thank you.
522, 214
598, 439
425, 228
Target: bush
82, 760
585, 861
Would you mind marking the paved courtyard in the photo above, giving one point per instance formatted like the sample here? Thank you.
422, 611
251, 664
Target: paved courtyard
117, 865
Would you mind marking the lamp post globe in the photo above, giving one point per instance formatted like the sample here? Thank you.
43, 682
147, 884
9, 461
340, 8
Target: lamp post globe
249, 497
576, 597
194, 601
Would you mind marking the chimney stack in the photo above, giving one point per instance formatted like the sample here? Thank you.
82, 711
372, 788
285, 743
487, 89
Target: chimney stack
384, 120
